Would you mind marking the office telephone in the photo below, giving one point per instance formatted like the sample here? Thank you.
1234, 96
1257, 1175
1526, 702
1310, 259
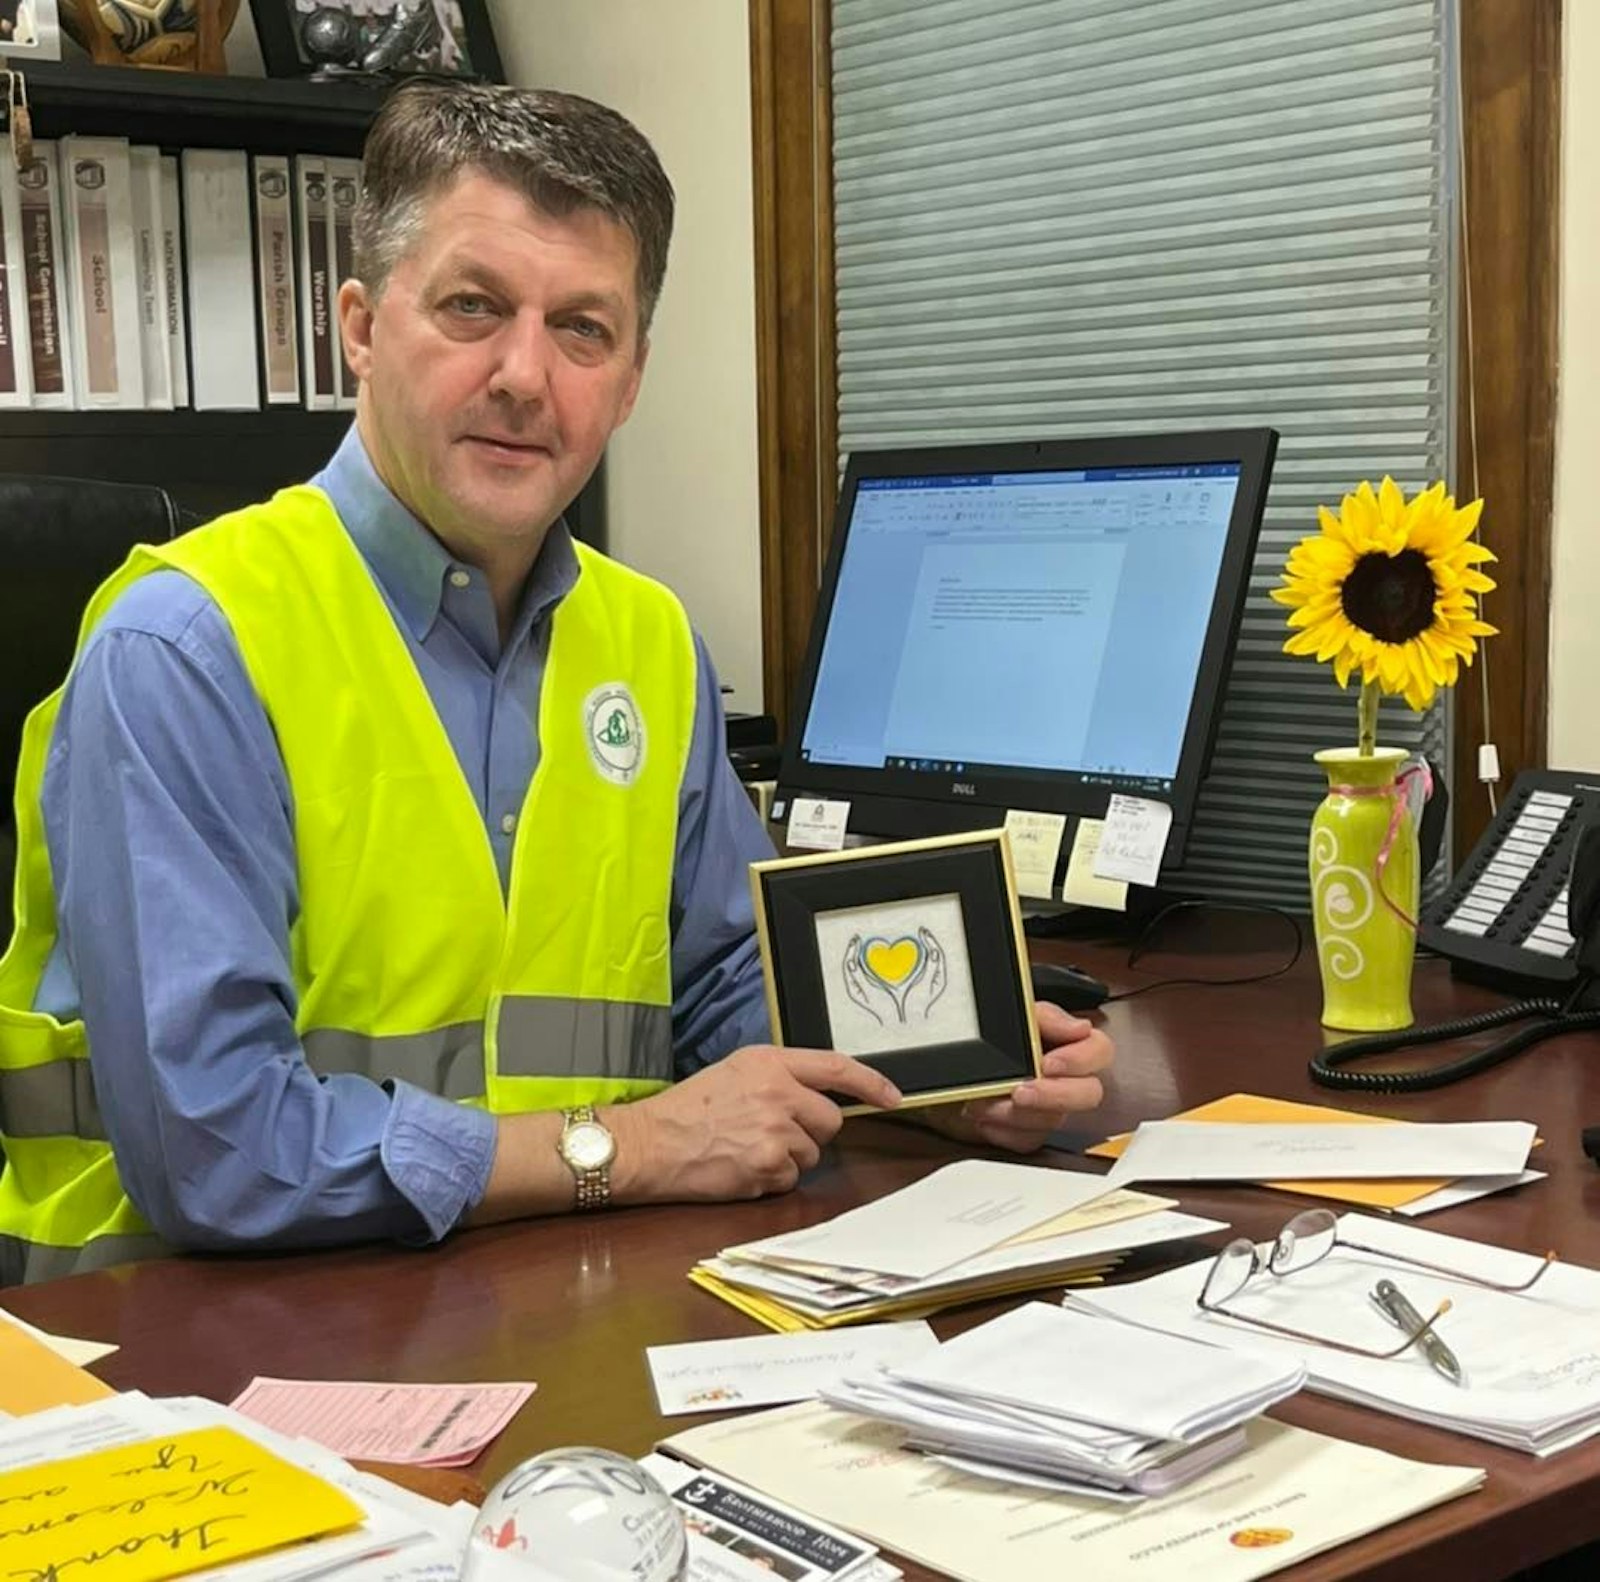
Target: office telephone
1523, 915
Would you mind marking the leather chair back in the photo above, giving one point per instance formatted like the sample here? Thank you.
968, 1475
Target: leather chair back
60, 538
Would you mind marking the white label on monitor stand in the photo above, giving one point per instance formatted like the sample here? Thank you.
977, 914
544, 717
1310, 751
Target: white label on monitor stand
1134, 840
1035, 846
816, 824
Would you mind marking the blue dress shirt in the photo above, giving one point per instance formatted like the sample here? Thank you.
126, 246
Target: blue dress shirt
170, 826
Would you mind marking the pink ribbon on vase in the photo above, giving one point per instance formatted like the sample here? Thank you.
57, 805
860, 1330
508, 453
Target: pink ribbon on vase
1399, 791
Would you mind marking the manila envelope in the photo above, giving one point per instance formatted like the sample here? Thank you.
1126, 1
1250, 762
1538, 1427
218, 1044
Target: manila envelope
33, 1377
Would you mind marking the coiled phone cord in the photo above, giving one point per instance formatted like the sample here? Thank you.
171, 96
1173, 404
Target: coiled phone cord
1555, 1019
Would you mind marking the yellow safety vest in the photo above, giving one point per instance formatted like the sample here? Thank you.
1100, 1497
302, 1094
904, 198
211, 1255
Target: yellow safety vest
408, 959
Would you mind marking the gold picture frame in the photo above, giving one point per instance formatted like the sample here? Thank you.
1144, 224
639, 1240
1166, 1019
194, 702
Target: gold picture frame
908, 956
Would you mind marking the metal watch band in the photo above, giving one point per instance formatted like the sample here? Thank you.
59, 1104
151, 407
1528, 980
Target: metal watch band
594, 1185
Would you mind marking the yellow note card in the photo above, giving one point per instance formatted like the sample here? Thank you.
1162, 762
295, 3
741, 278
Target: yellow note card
160, 1508
1082, 885
1247, 1108
33, 1377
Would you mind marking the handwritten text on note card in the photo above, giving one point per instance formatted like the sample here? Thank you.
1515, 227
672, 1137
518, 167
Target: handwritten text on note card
1134, 840
160, 1508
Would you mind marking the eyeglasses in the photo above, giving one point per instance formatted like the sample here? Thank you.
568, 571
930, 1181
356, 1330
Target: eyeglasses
1305, 1241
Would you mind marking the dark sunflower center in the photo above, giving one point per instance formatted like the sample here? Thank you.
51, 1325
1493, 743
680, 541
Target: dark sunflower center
1390, 596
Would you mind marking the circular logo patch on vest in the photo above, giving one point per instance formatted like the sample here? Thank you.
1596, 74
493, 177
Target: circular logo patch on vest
615, 732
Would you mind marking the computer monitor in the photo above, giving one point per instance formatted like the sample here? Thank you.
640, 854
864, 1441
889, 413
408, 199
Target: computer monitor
1025, 626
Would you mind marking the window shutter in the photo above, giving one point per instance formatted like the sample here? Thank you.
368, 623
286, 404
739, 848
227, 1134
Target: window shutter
1064, 217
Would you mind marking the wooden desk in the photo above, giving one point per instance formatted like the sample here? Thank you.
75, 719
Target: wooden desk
573, 1303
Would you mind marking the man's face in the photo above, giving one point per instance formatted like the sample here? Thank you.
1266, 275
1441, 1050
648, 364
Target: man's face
503, 352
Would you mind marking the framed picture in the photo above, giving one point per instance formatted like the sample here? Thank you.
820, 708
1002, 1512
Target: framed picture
30, 29
909, 957
440, 38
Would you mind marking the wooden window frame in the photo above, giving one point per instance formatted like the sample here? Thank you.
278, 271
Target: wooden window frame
1511, 89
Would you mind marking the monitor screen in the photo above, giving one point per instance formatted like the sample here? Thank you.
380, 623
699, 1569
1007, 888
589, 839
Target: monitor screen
1025, 626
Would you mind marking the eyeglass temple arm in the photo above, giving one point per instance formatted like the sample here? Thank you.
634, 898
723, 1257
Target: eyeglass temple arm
1533, 1279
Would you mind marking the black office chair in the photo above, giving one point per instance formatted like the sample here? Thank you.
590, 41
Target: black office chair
60, 538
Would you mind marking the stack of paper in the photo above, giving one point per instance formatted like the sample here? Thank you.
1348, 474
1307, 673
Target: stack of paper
163, 1488
1409, 1194
1061, 1400
973, 1230
1532, 1368
1289, 1496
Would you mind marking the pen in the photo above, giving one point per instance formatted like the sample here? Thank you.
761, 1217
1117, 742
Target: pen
1389, 1300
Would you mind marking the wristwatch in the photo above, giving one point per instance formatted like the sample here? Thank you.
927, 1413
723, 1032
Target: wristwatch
587, 1148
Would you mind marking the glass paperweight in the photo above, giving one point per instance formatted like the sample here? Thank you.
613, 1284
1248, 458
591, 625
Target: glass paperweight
577, 1515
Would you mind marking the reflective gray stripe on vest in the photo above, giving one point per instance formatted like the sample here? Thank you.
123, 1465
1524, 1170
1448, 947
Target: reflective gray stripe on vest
540, 1036
543, 1036
52, 1100
28, 1262
447, 1061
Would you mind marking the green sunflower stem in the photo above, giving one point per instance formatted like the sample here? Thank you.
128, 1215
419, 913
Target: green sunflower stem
1367, 717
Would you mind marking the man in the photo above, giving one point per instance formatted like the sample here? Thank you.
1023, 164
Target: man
384, 794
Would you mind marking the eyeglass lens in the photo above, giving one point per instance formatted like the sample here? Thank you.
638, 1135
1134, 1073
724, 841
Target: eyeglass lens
1305, 1240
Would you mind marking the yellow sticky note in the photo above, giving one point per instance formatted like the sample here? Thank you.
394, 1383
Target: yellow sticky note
1035, 846
160, 1508
1082, 886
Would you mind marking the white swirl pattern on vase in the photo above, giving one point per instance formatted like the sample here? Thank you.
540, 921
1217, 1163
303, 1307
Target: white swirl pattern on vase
1334, 890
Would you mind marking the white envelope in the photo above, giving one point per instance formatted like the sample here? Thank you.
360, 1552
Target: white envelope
1213, 1151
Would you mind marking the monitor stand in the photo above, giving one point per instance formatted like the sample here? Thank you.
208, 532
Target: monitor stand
1067, 920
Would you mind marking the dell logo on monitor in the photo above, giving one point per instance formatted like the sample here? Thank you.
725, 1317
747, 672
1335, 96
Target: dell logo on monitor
963, 788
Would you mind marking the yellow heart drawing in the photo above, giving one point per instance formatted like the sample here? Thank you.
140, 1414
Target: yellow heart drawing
893, 964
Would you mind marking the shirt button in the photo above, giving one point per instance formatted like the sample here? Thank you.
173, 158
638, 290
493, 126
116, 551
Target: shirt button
459, 579
508, 822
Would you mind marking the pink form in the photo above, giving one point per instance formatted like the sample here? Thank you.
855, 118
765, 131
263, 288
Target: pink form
434, 1425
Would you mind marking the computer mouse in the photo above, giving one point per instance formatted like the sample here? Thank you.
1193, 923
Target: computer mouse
1069, 987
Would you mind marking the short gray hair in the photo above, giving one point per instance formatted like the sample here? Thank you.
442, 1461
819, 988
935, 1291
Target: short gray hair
562, 152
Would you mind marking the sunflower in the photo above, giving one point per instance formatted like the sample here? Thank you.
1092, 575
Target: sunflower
1388, 591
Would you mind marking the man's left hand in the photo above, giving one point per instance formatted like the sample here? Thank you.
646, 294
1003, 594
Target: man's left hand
1075, 1052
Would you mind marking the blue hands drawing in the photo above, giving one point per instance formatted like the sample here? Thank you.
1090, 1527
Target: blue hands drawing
906, 976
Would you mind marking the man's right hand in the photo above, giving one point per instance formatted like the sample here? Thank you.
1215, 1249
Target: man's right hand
746, 1127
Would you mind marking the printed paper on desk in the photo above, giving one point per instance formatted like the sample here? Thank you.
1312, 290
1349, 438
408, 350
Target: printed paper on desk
945, 1218
1082, 887
1290, 1495
438, 1425
816, 824
163, 1508
1134, 840
1207, 1151
772, 1370
1035, 848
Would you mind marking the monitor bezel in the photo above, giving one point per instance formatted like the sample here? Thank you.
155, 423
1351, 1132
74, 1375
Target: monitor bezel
902, 802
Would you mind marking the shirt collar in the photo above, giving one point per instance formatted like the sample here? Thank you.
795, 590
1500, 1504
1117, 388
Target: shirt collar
409, 563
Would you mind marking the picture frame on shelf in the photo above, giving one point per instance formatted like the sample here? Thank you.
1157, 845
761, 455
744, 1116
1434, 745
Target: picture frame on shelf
30, 30
377, 39
909, 956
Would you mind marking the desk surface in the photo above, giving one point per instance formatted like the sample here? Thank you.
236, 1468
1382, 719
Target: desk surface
573, 1303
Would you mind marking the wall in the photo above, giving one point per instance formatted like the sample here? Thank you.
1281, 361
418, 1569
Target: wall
681, 477
1575, 630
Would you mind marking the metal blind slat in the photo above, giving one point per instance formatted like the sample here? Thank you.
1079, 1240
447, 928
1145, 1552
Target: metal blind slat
1068, 217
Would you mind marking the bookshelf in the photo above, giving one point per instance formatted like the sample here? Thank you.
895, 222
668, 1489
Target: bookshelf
208, 461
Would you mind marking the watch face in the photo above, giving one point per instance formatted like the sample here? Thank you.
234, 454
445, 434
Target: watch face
588, 1145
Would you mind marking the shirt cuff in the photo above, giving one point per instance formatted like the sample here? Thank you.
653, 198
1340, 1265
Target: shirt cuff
438, 1155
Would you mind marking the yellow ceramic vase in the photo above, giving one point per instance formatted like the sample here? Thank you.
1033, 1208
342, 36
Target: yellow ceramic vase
1365, 946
